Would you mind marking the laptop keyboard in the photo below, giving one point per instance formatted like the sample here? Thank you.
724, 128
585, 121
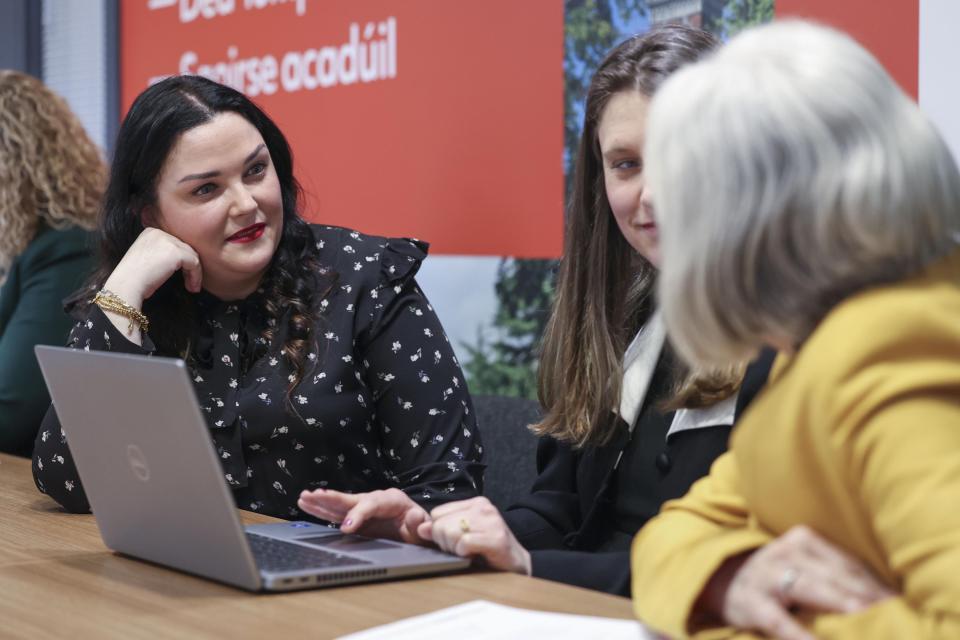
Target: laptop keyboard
277, 555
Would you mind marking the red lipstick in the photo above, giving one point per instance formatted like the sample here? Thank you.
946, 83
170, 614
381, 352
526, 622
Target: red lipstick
248, 234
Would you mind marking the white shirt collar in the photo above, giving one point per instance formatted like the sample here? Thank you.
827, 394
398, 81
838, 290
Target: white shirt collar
639, 362
721, 413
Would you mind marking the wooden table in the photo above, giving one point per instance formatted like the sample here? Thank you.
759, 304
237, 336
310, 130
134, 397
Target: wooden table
58, 580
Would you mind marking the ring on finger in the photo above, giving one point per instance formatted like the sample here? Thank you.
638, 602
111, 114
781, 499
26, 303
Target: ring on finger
464, 525
787, 579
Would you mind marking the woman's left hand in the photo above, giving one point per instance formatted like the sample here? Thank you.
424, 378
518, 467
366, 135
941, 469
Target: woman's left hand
475, 527
800, 570
378, 514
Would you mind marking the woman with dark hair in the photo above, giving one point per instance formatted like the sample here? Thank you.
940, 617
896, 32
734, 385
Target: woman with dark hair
51, 180
316, 359
626, 425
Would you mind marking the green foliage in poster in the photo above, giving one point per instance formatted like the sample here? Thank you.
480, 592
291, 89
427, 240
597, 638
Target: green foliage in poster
740, 14
507, 363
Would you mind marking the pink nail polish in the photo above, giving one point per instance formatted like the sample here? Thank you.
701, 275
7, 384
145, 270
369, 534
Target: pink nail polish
348, 522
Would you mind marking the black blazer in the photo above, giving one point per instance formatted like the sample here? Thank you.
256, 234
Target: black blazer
564, 519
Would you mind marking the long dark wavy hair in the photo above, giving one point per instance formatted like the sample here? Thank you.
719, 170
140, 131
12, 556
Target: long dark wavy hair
604, 287
294, 281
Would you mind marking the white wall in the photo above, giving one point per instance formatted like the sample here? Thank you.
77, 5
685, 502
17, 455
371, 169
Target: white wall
75, 59
939, 77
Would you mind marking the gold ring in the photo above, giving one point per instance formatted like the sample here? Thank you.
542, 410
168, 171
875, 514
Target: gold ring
464, 525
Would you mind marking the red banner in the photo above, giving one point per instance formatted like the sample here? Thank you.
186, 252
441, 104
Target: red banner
890, 30
436, 119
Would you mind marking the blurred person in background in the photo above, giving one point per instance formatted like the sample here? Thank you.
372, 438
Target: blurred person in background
52, 177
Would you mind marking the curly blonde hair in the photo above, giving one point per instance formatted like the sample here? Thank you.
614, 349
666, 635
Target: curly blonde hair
50, 170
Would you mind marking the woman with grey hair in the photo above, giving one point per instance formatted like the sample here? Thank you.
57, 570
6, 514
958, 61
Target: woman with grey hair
806, 203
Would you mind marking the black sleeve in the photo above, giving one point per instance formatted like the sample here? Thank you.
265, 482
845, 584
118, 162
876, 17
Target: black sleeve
54, 471
552, 510
424, 412
607, 571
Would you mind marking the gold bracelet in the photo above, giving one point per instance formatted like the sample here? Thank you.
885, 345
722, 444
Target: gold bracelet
109, 301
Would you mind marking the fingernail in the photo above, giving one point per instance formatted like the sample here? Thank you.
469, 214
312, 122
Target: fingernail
348, 522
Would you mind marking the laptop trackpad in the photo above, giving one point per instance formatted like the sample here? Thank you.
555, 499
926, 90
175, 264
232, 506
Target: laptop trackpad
347, 543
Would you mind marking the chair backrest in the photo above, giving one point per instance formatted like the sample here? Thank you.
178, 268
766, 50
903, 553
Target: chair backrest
509, 446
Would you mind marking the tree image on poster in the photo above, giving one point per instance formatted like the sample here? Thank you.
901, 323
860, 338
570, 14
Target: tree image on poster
740, 14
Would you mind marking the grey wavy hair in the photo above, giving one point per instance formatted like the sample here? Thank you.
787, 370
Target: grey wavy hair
789, 172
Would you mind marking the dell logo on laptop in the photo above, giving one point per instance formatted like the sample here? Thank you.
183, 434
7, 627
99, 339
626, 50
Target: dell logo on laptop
138, 462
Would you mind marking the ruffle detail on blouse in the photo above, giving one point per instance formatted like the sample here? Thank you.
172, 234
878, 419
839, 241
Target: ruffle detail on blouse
401, 259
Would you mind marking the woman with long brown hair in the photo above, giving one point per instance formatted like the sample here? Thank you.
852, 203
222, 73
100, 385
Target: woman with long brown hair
626, 425
51, 180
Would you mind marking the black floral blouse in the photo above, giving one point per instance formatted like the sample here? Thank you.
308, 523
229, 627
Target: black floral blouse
382, 404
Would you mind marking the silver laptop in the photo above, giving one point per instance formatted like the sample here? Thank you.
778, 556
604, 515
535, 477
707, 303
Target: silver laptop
157, 491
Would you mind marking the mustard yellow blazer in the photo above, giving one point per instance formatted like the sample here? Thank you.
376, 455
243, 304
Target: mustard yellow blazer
857, 436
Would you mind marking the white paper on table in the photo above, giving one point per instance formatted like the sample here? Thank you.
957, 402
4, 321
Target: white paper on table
485, 620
